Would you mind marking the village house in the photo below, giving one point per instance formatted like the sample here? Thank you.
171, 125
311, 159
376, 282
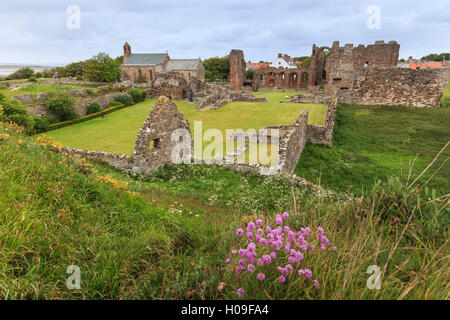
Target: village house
145, 67
283, 62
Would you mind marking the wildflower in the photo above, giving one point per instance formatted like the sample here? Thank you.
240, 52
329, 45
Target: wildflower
281, 279
239, 232
316, 284
266, 259
263, 241
279, 219
251, 226
249, 235
251, 267
334, 249
260, 262
240, 292
312, 248
285, 215
19, 141
320, 230
221, 285
258, 222
227, 261
261, 276
273, 255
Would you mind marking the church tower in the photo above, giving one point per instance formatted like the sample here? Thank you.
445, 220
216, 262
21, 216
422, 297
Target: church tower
126, 50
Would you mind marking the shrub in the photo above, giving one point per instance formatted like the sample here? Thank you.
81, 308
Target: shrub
137, 94
62, 106
93, 107
32, 79
41, 123
85, 118
23, 73
115, 103
125, 99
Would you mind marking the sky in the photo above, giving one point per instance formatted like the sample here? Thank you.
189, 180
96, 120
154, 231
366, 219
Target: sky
49, 32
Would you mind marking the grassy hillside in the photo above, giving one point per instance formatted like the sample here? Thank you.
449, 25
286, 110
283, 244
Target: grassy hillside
374, 142
34, 89
117, 131
167, 236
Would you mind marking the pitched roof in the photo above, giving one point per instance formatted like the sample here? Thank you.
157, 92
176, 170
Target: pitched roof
144, 59
425, 64
182, 64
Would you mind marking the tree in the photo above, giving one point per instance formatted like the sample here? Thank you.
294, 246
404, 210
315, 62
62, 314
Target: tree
102, 68
306, 61
62, 106
217, 69
23, 73
437, 57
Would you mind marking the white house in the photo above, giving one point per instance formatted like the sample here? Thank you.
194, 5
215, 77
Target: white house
283, 62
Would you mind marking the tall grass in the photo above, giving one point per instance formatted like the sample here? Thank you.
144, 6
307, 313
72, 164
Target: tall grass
167, 236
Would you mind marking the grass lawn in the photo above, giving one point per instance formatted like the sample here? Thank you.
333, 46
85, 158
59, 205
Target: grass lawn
116, 131
34, 89
375, 142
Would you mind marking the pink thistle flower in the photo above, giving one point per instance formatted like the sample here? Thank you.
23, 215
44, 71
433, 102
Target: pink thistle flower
251, 246
308, 273
263, 241
240, 292
239, 232
286, 229
261, 276
258, 222
322, 247
250, 226
281, 279
320, 230
249, 235
259, 231
268, 230
312, 248
285, 215
251, 268
227, 261
221, 286
260, 262
334, 249
279, 219
316, 284
273, 255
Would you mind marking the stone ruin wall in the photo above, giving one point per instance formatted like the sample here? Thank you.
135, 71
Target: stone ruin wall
237, 69
153, 145
324, 134
292, 143
421, 88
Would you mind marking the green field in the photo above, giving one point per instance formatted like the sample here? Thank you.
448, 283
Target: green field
117, 131
374, 142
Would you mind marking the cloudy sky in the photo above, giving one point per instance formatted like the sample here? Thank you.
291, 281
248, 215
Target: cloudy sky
36, 32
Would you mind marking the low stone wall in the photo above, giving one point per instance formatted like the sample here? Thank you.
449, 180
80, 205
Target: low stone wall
292, 143
121, 162
216, 96
40, 110
324, 134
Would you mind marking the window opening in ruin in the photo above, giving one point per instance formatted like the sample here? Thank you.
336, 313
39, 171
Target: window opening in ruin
155, 144
151, 75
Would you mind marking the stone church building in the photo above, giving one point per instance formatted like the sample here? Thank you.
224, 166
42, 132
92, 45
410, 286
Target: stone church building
145, 67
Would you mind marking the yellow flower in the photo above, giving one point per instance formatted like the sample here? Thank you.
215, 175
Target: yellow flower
19, 141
